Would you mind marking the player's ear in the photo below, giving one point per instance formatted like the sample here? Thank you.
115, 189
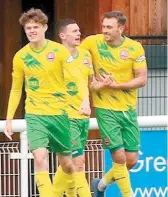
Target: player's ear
62, 36
46, 27
121, 29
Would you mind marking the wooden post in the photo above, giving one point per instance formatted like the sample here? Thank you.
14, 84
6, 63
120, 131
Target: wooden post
10, 43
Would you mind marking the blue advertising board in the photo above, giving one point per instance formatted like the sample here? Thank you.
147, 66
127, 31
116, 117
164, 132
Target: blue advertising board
149, 177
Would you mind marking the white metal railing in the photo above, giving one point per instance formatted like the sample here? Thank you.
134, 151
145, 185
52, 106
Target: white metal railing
19, 125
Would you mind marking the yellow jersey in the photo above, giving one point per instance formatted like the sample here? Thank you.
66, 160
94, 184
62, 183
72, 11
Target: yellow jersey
119, 62
76, 76
42, 74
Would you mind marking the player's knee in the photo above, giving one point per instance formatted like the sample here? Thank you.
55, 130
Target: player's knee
131, 159
79, 163
40, 160
131, 162
68, 167
119, 156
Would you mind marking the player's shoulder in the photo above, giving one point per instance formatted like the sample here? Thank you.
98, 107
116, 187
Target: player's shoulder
95, 37
83, 51
56, 45
21, 52
132, 42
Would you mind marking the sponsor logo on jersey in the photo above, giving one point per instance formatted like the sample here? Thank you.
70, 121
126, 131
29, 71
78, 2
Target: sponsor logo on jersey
33, 84
140, 59
124, 54
72, 88
51, 56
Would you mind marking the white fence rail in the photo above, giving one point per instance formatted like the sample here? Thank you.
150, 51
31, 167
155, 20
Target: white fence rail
19, 125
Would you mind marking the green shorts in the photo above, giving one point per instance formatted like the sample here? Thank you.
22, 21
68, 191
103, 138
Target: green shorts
119, 129
79, 133
49, 131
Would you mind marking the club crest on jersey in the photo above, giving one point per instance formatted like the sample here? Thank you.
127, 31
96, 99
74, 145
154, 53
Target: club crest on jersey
51, 56
87, 63
124, 54
107, 141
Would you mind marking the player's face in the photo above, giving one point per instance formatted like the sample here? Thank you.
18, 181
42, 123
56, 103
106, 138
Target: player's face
72, 35
35, 32
111, 29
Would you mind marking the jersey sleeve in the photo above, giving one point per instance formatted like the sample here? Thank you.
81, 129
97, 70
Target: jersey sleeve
17, 84
90, 72
140, 59
90, 68
86, 43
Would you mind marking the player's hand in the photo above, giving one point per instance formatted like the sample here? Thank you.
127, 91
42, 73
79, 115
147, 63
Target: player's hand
114, 84
84, 109
104, 79
8, 129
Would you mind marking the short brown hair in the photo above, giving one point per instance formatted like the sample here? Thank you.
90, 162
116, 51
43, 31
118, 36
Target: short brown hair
36, 15
61, 24
116, 14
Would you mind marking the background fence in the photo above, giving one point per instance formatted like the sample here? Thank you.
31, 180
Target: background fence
152, 99
17, 170
11, 175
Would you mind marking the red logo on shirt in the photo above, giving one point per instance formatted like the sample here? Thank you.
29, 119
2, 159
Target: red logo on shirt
86, 61
124, 54
51, 56
107, 141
